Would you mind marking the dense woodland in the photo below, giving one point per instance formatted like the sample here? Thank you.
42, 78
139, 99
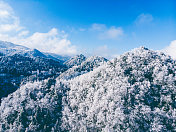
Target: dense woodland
134, 92
18, 69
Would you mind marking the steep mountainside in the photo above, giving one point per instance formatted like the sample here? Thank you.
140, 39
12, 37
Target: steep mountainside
49, 103
136, 92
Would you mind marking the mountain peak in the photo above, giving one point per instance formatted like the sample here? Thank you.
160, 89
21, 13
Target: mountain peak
85, 66
137, 93
75, 61
8, 45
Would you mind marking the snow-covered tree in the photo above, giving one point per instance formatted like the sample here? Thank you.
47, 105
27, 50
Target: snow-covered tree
75, 61
33, 107
86, 66
135, 92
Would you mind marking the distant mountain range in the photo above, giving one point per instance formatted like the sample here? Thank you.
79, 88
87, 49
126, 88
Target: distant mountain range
19, 65
9, 49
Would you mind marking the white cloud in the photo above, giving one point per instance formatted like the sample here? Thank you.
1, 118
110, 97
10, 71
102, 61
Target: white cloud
98, 27
112, 33
144, 19
8, 21
53, 41
23, 33
105, 51
107, 33
171, 49
102, 51
5, 10
4, 14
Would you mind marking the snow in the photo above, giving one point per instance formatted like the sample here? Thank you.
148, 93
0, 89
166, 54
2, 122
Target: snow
134, 92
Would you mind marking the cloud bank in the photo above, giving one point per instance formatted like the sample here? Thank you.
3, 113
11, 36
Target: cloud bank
53, 41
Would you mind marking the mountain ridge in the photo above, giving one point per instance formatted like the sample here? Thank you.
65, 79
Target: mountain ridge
9, 49
134, 92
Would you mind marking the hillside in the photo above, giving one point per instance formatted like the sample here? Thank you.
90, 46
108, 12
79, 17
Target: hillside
75, 61
19, 64
135, 92
17, 69
81, 68
10, 49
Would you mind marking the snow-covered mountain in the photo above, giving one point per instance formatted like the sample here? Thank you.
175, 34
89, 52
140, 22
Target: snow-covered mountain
135, 92
75, 61
17, 69
19, 64
10, 49
35, 107
86, 66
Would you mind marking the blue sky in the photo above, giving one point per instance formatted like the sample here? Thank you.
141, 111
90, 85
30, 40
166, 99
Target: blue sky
99, 27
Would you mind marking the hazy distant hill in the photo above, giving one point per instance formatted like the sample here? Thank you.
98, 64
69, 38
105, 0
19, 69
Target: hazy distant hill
58, 57
9, 49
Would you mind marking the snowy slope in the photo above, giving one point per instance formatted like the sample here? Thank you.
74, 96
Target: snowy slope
34, 107
75, 61
136, 92
16, 69
10, 49
86, 66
